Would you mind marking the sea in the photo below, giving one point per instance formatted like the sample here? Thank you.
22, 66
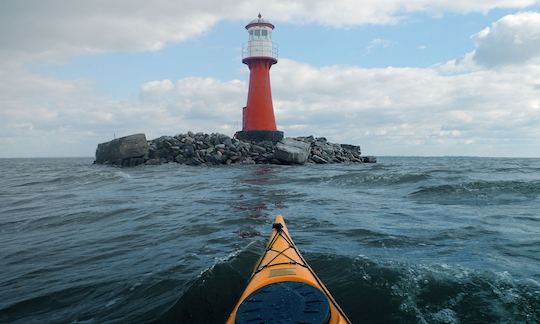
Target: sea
405, 240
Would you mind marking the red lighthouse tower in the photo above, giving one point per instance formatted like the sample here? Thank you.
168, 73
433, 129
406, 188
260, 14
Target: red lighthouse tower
259, 53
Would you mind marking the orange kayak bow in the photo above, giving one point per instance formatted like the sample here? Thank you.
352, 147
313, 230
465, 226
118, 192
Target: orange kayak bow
284, 288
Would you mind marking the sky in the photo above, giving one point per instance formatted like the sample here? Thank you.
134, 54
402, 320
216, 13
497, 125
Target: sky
398, 77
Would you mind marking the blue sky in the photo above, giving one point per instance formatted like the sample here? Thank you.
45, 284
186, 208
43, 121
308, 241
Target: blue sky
406, 78
420, 41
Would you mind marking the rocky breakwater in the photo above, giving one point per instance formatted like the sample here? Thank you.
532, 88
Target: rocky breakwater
217, 149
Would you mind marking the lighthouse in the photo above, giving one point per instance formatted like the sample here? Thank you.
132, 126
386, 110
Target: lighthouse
259, 54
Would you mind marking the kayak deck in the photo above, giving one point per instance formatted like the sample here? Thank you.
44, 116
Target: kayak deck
283, 273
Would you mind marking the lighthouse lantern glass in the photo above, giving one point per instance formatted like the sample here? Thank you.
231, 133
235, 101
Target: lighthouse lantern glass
260, 43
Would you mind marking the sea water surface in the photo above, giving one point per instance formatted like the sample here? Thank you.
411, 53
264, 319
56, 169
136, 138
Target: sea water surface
406, 240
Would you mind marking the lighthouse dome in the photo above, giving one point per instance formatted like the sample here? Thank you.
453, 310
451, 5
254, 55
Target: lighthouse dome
259, 21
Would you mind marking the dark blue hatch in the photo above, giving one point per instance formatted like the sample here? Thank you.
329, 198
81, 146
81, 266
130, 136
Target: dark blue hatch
285, 302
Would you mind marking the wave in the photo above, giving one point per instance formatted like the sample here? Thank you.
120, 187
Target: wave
370, 292
479, 192
55, 179
365, 178
210, 297
31, 308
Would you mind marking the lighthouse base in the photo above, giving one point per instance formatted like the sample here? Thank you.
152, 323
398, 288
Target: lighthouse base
259, 135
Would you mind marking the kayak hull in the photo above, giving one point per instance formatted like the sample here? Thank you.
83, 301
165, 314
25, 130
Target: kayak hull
282, 262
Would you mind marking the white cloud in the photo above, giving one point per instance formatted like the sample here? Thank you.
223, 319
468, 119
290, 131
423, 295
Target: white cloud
158, 87
387, 110
407, 106
55, 29
380, 43
199, 101
512, 39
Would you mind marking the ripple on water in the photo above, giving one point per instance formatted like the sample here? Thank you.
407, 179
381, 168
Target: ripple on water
479, 193
443, 240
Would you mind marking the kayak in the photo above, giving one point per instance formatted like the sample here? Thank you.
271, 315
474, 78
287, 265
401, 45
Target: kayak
284, 288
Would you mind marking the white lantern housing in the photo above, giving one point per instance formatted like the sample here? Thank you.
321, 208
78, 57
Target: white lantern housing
260, 43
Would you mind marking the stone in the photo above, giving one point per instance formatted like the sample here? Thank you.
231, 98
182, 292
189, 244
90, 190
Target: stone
189, 151
117, 150
245, 146
223, 138
318, 159
180, 159
258, 149
369, 159
248, 161
131, 162
296, 143
290, 151
266, 144
328, 149
153, 162
351, 148
216, 158
193, 161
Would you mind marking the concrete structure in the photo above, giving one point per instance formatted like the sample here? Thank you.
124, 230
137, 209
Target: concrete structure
259, 54
127, 151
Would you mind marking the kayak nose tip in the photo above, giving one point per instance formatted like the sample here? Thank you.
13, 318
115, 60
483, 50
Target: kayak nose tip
279, 220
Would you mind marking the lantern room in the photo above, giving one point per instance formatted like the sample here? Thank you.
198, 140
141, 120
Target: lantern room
260, 43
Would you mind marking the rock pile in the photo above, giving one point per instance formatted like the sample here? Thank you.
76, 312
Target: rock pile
216, 149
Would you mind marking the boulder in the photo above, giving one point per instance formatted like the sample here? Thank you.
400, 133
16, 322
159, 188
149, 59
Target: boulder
216, 158
369, 159
318, 159
189, 151
180, 159
193, 161
296, 143
351, 148
248, 161
153, 162
290, 151
258, 149
123, 148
